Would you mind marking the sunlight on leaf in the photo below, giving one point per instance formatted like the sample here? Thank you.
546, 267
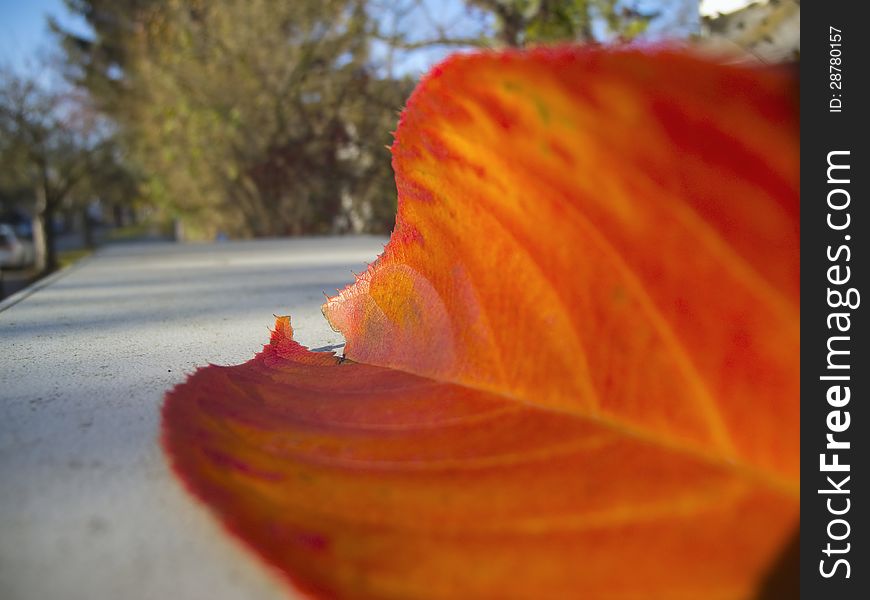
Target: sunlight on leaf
575, 364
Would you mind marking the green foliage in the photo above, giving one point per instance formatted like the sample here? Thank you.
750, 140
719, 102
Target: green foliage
254, 118
45, 147
248, 117
530, 22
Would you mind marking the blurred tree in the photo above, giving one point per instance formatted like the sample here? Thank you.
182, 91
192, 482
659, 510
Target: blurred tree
45, 146
98, 63
246, 116
516, 23
251, 117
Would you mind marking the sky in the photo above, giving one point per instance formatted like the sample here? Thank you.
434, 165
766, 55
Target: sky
24, 35
25, 38
712, 7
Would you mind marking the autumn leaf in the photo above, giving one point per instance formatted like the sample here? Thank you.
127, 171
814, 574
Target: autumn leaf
574, 366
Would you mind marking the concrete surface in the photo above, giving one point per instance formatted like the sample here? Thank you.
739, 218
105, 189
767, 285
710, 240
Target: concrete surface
88, 508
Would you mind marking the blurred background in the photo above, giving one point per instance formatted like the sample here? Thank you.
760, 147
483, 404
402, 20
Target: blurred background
198, 120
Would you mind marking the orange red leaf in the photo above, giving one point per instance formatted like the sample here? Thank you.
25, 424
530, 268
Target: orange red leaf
576, 360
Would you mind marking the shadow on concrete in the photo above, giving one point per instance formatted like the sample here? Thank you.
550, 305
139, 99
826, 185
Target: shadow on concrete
145, 308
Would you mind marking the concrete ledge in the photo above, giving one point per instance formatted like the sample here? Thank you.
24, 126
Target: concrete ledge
88, 508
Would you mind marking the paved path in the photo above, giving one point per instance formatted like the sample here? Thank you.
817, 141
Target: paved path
88, 509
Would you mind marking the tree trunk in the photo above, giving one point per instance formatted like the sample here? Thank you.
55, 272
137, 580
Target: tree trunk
117, 215
43, 233
87, 229
511, 29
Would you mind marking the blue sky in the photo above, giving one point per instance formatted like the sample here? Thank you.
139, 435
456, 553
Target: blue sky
25, 38
24, 35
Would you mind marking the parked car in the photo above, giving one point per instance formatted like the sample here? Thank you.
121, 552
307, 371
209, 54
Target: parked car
14, 252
